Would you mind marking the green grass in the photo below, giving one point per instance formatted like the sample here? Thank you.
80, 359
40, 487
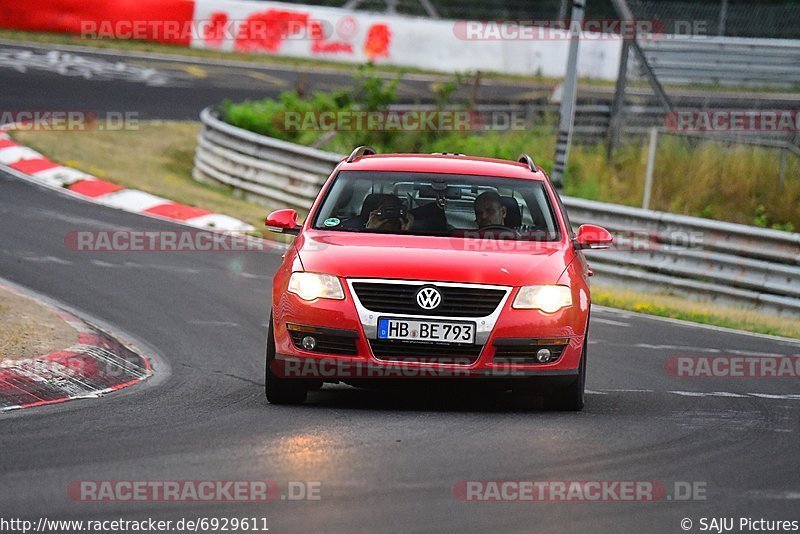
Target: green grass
704, 312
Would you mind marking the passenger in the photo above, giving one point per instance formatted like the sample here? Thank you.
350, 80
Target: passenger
390, 216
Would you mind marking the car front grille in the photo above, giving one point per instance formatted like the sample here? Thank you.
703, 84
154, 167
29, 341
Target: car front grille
415, 351
457, 301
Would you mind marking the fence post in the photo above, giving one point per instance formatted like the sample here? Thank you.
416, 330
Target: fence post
651, 163
568, 97
723, 17
782, 174
617, 118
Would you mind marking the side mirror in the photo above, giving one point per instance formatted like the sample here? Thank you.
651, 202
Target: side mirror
283, 222
593, 237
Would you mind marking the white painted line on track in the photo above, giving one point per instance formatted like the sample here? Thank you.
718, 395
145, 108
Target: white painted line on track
610, 321
47, 259
700, 394
101, 263
677, 347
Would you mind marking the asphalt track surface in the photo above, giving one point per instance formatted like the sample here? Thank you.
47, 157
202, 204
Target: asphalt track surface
177, 88
385, 461
174, 87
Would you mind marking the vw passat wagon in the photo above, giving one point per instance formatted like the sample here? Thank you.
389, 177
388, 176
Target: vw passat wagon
432, 267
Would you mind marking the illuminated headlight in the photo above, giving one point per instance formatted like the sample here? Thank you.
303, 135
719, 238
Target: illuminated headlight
549, 299
312, 286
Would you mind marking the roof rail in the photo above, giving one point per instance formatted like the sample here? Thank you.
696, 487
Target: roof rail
446, 154
363, 150
524, 158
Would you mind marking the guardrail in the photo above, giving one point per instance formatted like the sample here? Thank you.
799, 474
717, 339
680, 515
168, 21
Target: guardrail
261, 168
725, 60
725, 261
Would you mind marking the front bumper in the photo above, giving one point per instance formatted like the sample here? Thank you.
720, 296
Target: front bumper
348, 348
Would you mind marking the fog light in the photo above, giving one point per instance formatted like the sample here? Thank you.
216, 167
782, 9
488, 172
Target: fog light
542, 356
309, 343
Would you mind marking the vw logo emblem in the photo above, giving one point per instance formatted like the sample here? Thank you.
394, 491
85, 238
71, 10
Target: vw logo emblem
429, 298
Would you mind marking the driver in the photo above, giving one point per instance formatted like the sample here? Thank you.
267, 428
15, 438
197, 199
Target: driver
489, 210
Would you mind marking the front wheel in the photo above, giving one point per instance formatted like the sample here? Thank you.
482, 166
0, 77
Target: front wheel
570, 398
280, 390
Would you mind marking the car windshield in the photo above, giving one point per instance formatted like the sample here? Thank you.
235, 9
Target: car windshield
451, 205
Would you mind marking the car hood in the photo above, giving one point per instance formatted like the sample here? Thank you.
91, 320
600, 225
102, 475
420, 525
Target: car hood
442, 259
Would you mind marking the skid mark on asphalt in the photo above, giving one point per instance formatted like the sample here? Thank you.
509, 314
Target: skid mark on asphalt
168, 268
730, 419
78, 221
214, 323
779, 495
771, 396
222, 373
254, 276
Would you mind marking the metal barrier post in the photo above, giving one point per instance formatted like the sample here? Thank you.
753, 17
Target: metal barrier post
651, 163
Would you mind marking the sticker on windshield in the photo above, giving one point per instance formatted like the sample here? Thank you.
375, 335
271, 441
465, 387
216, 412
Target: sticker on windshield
333, 221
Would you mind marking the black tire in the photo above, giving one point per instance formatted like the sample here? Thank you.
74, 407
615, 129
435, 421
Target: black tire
277, 389
570, 398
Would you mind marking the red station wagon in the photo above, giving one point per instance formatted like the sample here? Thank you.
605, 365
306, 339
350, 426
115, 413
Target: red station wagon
432, 267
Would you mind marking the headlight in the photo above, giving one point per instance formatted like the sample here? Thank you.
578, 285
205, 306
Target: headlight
549, 299
311, 286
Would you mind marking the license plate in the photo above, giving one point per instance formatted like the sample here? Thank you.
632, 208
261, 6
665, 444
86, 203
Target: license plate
416, 330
